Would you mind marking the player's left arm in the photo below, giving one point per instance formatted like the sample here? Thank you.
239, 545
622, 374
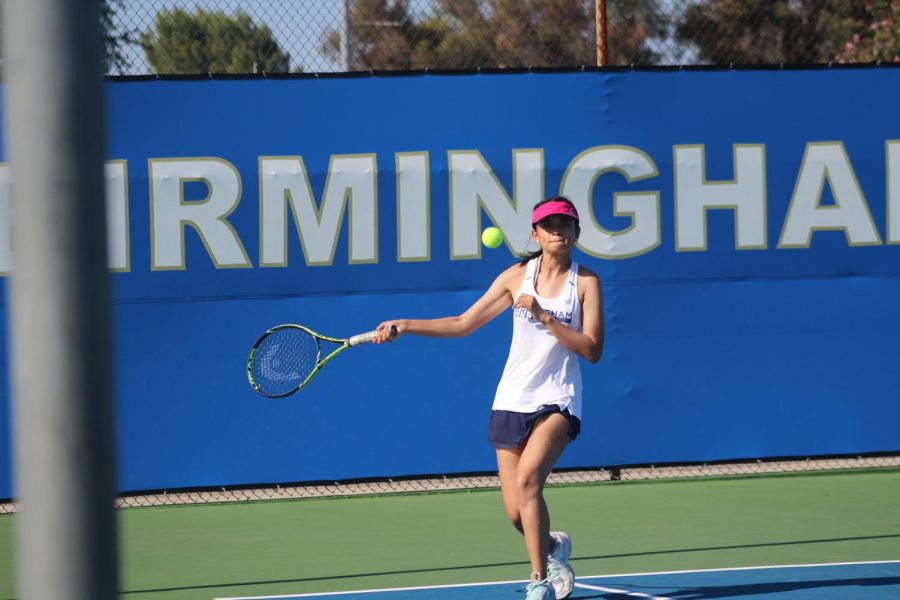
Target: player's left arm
587, 343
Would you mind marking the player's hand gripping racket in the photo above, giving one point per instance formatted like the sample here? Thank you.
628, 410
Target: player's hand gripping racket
287, 357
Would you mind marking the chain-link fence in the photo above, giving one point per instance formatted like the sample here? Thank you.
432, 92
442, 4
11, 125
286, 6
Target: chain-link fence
476, 481
276, 36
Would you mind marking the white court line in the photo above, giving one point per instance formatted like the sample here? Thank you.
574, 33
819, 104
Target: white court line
375, 591
459, 585
598, 588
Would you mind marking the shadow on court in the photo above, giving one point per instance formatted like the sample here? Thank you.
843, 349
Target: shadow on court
742, 590
739, 546
719, 591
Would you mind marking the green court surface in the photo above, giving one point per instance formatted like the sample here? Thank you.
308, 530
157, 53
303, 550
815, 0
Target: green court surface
369, 542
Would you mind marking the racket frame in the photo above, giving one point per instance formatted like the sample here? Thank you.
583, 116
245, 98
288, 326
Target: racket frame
343, 344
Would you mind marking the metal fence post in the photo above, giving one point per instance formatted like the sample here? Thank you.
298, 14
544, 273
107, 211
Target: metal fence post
345, 35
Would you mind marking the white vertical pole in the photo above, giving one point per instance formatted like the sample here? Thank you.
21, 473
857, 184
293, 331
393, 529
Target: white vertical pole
62, 392
345, 35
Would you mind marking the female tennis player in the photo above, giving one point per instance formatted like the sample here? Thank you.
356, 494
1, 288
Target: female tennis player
557, 317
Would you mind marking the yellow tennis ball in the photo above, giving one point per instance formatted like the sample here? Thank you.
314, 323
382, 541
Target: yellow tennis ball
492, 237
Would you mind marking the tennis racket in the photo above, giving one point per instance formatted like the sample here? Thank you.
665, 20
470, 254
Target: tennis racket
286, 358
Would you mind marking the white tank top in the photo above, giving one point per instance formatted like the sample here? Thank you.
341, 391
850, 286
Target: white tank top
540, 370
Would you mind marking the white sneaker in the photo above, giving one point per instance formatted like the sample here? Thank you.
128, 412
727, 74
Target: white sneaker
539, 589
559, 571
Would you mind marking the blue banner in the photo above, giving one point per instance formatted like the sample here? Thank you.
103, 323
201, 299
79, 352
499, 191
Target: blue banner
745, 224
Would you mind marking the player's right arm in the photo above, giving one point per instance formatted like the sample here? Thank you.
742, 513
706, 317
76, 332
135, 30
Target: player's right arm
494, 301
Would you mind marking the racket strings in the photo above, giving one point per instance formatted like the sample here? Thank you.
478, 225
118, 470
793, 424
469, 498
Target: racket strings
284, 359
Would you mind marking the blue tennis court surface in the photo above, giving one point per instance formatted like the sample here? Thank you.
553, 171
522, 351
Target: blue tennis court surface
845, 581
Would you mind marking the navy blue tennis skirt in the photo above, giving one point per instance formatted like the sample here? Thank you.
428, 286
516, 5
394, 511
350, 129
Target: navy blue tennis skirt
508, 429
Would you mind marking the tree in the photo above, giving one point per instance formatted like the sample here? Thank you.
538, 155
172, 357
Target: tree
878, 38
112, 54
521, 33
211, 42
770, 31
630, 24
494, 33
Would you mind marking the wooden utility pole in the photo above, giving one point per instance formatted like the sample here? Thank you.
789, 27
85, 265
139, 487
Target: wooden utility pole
602, 57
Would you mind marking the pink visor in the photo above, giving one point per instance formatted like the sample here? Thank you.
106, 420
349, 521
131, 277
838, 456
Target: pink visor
553, 208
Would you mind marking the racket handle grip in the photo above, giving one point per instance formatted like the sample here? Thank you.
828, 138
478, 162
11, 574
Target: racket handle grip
365, 338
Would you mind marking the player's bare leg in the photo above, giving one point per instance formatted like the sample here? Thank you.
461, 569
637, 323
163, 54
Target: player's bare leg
523, 473
547, 441
507, 465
